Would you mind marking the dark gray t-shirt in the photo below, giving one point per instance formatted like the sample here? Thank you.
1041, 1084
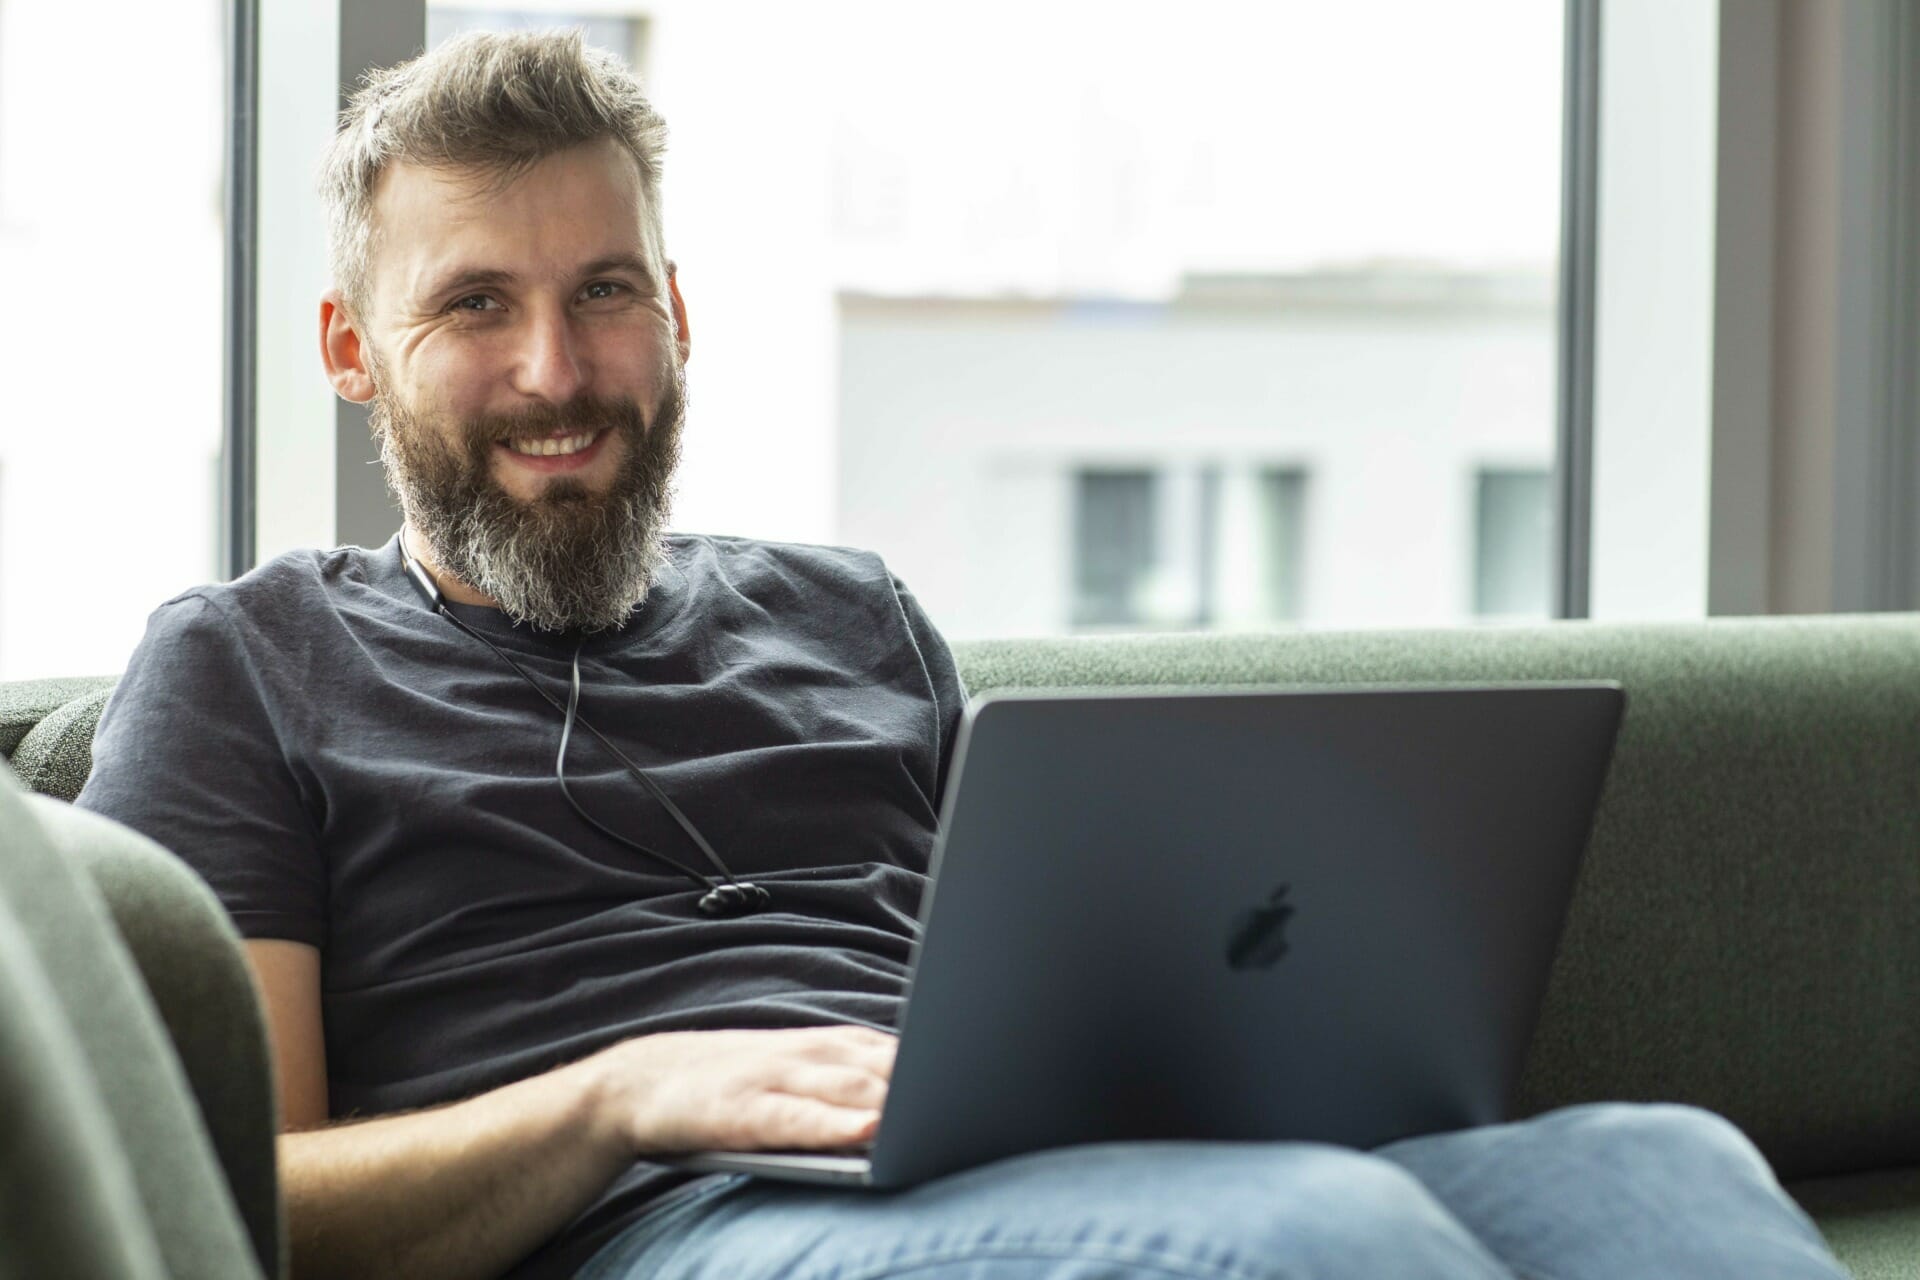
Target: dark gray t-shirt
348, 769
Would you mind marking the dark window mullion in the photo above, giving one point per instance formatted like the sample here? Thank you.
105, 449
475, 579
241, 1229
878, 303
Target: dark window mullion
1579, 239
237, 493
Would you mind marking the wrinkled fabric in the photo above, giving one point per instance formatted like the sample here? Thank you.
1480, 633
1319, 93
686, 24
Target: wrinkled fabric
348, 769
1598, 1192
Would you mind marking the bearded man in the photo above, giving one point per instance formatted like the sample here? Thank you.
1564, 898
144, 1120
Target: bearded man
495, 1002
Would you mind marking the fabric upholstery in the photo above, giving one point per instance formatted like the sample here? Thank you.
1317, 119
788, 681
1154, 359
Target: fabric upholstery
190, 960
25, 703
56, 755
68, 1204
134, 1072
1872, 1220
1742, 934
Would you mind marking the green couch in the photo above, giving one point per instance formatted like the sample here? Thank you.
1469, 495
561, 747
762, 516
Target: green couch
1745, 935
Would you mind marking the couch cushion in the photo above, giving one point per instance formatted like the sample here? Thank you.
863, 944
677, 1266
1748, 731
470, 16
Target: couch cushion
1743, 932
24, 703
1872, 1220
56, 755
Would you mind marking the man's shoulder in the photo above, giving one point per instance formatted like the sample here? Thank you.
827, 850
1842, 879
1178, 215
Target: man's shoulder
286, 589
744, 561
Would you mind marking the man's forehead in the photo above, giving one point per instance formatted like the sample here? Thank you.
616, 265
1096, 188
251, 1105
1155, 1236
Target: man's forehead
470, 190
570, 209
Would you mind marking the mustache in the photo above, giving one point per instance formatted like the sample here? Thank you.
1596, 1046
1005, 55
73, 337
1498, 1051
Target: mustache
536, 422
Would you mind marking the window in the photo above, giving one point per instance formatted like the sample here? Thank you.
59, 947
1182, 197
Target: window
110, 245
1048, 322
1114, 546
1513, 518
1283, 512
623, 36
1195, 545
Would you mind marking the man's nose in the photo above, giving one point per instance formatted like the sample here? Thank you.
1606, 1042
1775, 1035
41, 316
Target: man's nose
551, 365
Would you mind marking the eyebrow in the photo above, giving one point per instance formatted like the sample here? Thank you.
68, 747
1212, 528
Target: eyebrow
470, 278
483, 277
632, 263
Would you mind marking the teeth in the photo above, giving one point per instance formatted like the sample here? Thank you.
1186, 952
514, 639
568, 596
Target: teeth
552, 447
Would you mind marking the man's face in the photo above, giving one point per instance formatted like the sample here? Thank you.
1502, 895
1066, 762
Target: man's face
526, 349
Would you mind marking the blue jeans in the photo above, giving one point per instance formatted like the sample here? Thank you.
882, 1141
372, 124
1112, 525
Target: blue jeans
1615, 1191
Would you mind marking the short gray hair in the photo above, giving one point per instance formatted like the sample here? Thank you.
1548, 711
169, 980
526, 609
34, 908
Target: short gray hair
496, 102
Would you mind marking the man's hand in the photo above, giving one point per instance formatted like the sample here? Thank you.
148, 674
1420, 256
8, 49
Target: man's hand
462, 1191
809, 1089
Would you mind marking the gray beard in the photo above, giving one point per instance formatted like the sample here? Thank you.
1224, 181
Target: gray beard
570, 560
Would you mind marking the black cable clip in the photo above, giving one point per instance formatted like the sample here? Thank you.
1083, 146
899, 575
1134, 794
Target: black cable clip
734, 899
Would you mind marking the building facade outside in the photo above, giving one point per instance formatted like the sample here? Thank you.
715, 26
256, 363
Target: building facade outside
1361, 448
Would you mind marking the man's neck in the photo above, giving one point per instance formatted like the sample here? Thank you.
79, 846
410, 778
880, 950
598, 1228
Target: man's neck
451, 587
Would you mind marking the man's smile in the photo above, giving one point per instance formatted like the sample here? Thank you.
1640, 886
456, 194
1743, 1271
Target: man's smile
559, 453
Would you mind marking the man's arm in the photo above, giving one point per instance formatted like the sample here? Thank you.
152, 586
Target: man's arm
467, 1189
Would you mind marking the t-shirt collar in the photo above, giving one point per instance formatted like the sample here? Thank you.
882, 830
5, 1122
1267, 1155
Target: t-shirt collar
662, 601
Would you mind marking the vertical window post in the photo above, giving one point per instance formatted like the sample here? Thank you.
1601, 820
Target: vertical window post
1579, 237
237, 492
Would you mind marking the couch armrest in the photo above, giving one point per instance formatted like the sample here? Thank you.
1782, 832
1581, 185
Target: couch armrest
25, 703
191, 961
71, 1206
56, 755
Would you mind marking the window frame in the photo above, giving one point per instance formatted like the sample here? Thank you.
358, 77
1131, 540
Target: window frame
259, 488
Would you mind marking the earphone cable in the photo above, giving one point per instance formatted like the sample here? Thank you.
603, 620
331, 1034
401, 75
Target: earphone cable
560, 775
732, 898
566, 732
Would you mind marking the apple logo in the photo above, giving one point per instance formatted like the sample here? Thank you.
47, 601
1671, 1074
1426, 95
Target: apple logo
1259, 937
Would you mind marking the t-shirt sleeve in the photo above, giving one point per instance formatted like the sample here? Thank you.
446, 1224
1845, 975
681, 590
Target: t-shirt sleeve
187, 753
943, 675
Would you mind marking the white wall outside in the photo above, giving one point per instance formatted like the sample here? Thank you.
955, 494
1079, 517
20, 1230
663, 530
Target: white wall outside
961, 425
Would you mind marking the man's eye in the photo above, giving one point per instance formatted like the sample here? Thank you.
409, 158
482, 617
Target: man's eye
600, 289
474, 302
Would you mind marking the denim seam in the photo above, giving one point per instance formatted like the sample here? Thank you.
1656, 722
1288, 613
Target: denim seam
1065, 1251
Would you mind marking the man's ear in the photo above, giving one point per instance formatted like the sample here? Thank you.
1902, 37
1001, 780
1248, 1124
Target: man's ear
681, 337
342, 351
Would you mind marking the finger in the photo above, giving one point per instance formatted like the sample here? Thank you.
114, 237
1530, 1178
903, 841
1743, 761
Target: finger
854, 1046
841, 1085
874, 1059
788, 1120
878, 1060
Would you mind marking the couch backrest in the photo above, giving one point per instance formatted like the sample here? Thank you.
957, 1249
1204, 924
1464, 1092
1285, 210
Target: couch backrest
1744, 934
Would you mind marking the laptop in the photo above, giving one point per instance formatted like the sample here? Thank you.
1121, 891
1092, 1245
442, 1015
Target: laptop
1323, 915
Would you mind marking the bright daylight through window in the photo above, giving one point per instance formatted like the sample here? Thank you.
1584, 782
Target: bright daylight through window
1121, 317
110, 246
1087, 318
